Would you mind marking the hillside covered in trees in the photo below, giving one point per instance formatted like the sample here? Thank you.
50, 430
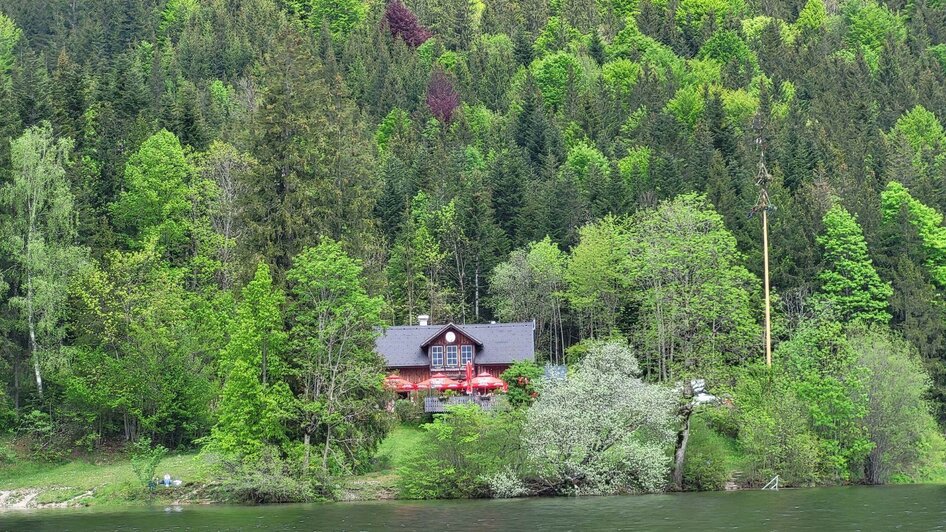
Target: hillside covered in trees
208, 206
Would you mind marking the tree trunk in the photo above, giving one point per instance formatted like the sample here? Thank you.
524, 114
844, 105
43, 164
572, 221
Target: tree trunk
34, 349
328, 443
680, 455
306, 439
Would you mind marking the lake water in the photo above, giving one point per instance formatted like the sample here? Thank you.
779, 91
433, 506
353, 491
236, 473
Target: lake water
822, 509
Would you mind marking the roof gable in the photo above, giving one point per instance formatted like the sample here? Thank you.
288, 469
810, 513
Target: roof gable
450, 327
500, 343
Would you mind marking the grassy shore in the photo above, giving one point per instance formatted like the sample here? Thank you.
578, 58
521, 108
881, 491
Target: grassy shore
381, 482
109, 480
96, 480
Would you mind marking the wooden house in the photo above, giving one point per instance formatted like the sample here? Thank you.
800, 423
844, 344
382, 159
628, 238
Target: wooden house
416, 352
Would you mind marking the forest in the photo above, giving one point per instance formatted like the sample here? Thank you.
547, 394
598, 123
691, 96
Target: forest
209, 207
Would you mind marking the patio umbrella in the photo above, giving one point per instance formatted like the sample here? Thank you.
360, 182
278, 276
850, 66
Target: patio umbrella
439, 382
468, 384
398, 384
485, 381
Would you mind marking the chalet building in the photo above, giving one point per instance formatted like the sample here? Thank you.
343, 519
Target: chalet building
416, 352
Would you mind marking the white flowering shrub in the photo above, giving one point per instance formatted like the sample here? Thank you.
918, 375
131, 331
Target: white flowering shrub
505, 484
603, 430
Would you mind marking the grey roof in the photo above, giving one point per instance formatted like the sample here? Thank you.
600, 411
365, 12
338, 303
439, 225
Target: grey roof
503, 343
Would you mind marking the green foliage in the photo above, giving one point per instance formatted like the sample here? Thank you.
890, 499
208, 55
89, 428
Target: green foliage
334, 324
524, 379
597, 274
706, 466
554, 73
409, 412
822, 372
395, 123
156, 201
461, 451
813, 17
774, 431
265, 478
255, 402
898, 417
921, 129
339, 15
849, 283
869, 25
621, 75
9, 37
692, 292
145, 459
618, 445
895, 199
701, 12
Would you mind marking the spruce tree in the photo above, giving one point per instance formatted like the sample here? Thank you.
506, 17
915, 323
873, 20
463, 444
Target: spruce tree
849, 282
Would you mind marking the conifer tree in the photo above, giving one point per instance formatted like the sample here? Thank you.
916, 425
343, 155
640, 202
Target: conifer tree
849, 282
255, 400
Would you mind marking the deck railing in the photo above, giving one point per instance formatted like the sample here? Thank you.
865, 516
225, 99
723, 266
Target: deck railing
440, 404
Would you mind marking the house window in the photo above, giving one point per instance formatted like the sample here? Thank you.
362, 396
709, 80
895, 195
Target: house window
452, 356
436, 356
466, 354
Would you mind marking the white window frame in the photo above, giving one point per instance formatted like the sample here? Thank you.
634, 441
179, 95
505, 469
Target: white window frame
453, 355
466, 354
436, 356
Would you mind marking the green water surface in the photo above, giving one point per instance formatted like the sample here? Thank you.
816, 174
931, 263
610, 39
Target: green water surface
847, 508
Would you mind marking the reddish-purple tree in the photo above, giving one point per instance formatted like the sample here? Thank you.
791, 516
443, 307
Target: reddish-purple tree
404, 24
442, 98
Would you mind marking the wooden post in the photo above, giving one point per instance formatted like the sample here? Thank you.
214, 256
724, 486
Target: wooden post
765, 267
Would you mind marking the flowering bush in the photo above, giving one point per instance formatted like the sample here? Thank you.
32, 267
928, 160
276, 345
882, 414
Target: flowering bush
603, 430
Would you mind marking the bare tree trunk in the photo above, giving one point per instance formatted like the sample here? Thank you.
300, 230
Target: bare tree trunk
680, 455
306, 440
328, 443
34, 348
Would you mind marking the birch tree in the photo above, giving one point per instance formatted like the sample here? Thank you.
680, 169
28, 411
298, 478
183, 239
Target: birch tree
40, 238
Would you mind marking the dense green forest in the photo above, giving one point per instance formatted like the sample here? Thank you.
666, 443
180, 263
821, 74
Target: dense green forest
208, 206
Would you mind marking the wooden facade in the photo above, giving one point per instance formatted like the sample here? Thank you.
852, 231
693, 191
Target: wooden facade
415, 353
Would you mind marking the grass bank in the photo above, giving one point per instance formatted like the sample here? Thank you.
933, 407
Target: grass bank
108, 479
381, 482
95, 481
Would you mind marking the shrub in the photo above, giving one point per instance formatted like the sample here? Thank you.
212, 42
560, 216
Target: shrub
898, 419
523, 378
7, 453
461, 452
705, 467
774, 431
603, 430
505, 484
410, 412
145, 460
267, 479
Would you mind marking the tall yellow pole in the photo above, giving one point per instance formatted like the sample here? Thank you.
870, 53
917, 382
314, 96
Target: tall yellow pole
765, 267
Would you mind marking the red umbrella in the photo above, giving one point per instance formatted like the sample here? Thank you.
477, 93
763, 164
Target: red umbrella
469, 377
439, 381
485, 381
396, 383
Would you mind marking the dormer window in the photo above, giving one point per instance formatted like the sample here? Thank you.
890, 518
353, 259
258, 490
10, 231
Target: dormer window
436, 356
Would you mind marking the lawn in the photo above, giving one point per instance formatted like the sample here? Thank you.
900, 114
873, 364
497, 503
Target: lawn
110, 476
381, 483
